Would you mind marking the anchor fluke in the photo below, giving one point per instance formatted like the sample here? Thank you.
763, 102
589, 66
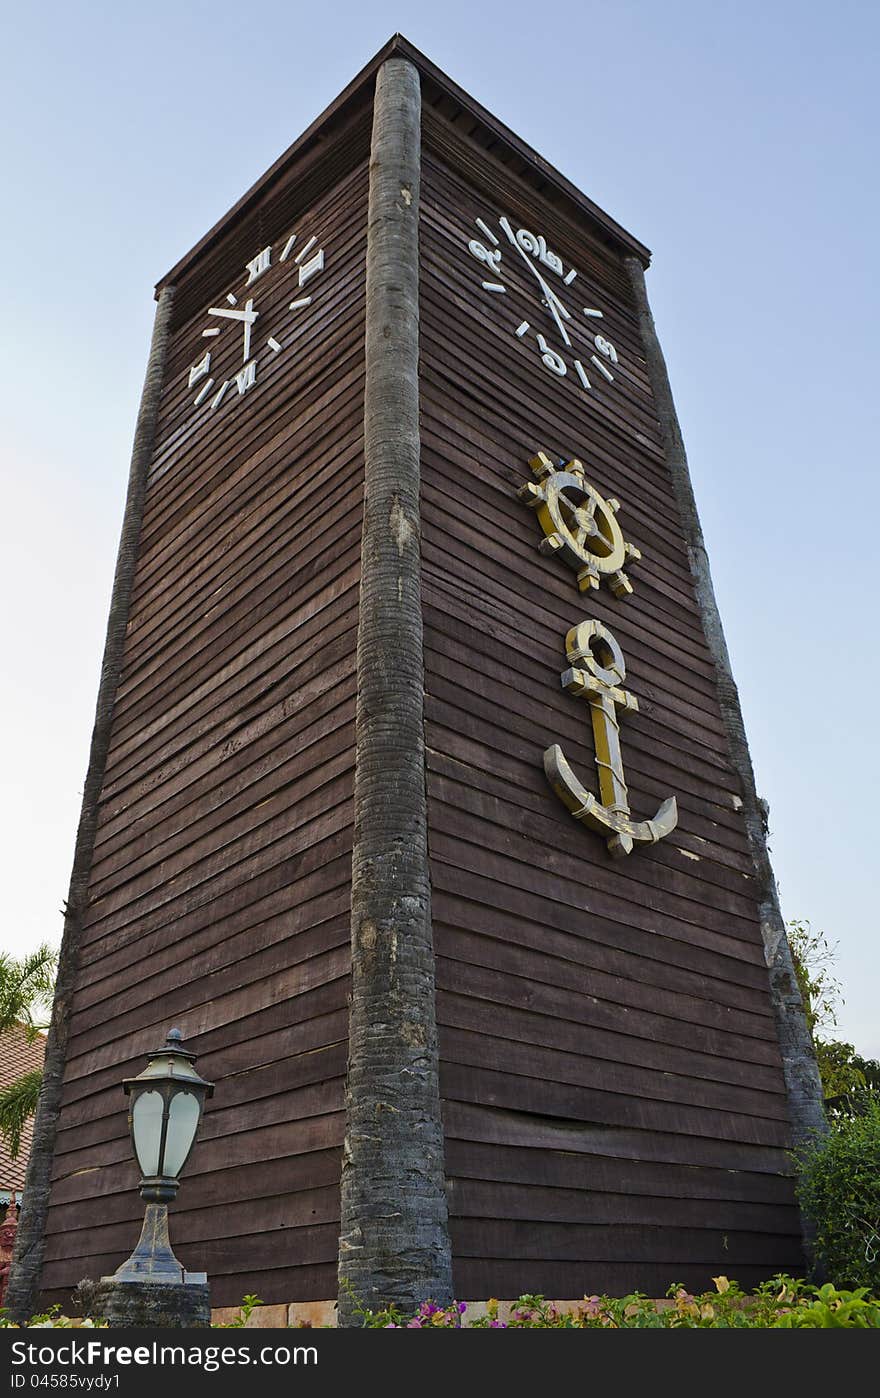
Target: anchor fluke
621, 833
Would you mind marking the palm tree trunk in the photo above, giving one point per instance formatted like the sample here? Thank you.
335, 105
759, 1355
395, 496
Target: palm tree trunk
394, 1242
24, 1281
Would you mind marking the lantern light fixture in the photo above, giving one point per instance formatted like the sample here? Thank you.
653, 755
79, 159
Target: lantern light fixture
166, 1102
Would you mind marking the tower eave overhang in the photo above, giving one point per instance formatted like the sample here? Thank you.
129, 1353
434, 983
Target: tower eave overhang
530, 166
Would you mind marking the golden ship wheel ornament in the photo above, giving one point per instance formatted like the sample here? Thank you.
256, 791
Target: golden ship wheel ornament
580, 527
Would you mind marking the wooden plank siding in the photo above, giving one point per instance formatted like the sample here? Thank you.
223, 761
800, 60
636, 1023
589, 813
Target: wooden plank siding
219, 891
614, 1108
614, 1104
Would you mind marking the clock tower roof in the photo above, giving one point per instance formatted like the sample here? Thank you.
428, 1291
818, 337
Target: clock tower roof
347, 113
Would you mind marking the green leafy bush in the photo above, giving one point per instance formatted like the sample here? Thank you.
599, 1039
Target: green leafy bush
249, 1304
839, 1190
781, 1304
51, 1320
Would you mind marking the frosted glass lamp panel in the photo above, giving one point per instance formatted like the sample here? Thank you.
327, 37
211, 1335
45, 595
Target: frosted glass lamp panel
183, 1121
146, 1128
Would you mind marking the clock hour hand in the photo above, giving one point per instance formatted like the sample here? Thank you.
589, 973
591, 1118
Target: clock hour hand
247, 317
553, 302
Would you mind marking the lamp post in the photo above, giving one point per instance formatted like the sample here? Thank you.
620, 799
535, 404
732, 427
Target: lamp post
166, 1101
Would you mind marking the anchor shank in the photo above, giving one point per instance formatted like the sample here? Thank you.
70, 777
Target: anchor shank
606, 736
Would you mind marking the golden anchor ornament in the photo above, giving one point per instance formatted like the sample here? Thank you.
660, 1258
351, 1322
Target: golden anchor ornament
597, 673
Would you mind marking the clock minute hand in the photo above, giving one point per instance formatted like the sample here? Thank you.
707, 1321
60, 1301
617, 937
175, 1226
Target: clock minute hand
552, 299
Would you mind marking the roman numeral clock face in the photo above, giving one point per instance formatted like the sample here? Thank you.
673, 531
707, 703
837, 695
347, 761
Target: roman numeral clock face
241, 334
566, 336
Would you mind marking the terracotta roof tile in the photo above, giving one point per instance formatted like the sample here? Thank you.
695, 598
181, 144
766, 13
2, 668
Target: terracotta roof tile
17, 1056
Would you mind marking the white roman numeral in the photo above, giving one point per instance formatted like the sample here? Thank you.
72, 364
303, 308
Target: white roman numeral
198, 371
246, 377
308, 269
258, 265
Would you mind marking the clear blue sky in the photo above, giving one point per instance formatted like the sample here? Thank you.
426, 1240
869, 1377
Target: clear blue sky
737, 140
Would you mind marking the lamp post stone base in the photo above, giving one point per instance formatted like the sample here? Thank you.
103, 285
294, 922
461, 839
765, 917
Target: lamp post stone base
149, 1305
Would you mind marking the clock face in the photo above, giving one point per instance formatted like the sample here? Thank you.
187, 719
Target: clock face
239, 323
542, 301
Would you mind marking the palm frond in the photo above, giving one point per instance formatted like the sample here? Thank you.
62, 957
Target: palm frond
26, 986
18, 1102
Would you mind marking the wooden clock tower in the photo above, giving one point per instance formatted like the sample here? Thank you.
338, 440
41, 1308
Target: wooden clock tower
419, 797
